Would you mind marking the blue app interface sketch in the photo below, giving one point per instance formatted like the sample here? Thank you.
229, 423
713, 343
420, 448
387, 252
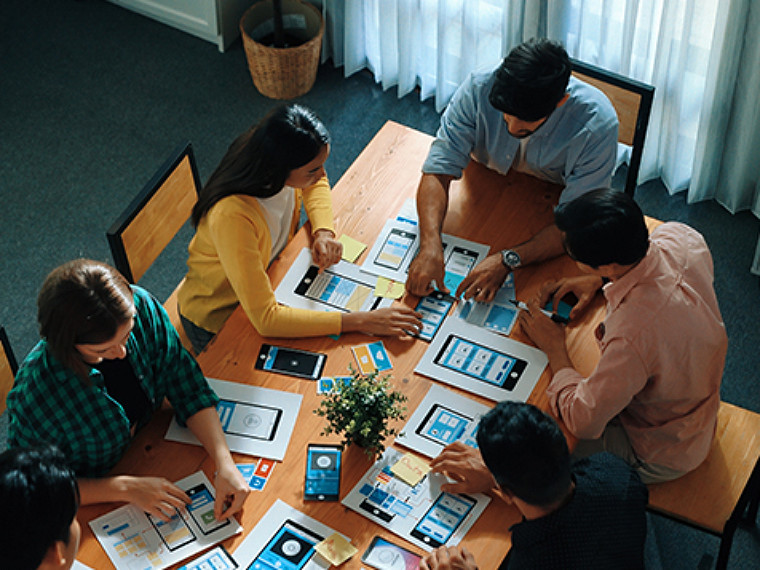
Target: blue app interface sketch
480, 362
289, 549
443, 518
445, 426
434, 308
323, 473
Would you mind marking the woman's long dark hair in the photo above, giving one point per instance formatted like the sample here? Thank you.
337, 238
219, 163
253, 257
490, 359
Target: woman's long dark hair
260, 160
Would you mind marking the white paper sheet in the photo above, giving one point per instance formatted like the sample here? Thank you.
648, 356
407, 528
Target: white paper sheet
442, 417
342, 287
422, 514
256, 421
283, 538
482, 362
134, 540
397, 245
499, 315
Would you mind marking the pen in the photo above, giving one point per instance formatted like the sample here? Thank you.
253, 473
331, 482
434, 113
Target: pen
553, 316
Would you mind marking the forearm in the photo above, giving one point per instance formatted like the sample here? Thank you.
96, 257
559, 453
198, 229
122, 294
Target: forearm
206, 428
432, 203
546, 244
105, 489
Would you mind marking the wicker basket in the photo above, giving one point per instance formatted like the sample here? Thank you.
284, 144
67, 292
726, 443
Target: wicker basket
283, 73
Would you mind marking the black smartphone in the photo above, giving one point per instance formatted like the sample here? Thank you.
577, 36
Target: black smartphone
291, 361
322, 481
384, 555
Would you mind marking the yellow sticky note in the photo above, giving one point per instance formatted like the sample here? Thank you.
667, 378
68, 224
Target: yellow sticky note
410, 469
388, 288
352, 248
336, 549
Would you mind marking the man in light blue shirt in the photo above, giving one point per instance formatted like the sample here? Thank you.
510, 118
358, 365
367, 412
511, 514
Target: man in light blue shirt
530, 115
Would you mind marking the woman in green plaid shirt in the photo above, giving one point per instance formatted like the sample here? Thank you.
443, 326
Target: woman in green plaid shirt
107, 359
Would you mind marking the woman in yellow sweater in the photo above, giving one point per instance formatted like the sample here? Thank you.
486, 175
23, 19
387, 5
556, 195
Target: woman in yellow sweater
245, 215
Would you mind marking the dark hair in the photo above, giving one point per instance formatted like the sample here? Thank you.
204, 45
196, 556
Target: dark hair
531, 80
260, 160
82, 302
40, 498
603, 226
526, 452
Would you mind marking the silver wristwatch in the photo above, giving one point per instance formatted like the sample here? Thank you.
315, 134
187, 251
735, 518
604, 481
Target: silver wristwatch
510, 258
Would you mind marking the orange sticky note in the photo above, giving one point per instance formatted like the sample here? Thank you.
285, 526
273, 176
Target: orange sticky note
410, 469
336, 549
388, 288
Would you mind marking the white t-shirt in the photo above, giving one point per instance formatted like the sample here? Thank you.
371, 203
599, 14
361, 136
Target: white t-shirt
278, 213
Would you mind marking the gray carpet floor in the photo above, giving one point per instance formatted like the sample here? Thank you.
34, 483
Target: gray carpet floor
93, 98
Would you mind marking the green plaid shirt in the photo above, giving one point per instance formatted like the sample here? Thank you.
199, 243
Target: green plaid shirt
51, 403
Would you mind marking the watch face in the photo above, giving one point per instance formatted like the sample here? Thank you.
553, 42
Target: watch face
510, 258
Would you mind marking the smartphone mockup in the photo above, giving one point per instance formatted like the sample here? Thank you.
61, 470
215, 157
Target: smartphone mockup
291, 361
434, 308
323, 465
384, 555
443, 518
291, 547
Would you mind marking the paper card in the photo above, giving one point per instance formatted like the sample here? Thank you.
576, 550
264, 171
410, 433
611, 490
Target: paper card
327, 384
215, 559
336, 549
371, 357
410, 469
388, 288
352, 248
246, 470
264, 468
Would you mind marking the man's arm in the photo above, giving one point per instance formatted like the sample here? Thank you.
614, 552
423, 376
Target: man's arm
432, 203
487, 277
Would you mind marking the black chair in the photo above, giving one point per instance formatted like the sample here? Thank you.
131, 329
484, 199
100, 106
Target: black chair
633, 103
154, 217
8, 368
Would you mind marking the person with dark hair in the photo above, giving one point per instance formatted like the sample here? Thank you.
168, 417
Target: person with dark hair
528, 115
108, 358
39, 500
247, 213
653, 398
590, 514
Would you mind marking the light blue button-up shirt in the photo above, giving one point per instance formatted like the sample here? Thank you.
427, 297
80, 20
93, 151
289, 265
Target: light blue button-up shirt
576, 146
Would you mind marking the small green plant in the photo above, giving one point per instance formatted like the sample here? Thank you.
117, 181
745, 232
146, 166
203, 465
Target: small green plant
360, 411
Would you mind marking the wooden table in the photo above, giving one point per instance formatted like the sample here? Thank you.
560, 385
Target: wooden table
484, 207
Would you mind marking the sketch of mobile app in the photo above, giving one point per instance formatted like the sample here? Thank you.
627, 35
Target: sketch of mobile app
290, 548
395, 248
443, 518
202, 509
174, 533
443, 425
249, 420
480, 362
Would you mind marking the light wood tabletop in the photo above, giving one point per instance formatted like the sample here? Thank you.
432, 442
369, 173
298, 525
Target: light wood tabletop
484, 207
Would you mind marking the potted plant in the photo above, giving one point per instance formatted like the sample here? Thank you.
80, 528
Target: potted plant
282, 41
360, 411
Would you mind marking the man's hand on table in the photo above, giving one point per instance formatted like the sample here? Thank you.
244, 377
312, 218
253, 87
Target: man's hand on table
465, 465
325, 249
584, 287
546, 335
485, 280
427, 267
449, 558
231, 491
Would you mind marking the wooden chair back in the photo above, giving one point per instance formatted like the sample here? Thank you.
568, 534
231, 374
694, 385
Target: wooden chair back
8, 368
157, 213
632, 101
716, 496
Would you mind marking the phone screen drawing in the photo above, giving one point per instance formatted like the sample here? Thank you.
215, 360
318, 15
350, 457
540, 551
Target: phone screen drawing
443, 518
323, 464
290, 548
395, 249
443, 425
249, 420
480, 362
174, 533
434, 308
458, 266
202, 509
384, 555
291, 361
337, 291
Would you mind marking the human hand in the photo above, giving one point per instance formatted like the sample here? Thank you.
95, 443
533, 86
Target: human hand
398, 320
449, 558
546, 334
485, 280
584, 287
465, 465
325, 249
427, 267
231, 491
156, 496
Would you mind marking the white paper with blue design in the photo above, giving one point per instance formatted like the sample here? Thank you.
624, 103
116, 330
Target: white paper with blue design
499, 315
422, 514
256, 421
442, 417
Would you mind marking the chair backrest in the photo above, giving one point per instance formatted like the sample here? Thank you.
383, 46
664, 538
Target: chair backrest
8, 368
633, 103
156, 214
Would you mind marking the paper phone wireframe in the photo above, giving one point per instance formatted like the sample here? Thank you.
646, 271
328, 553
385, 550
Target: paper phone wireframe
482, 362
290, 361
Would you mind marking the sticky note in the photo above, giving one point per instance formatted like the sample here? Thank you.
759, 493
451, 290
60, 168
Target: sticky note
410, 469
336, 549
352, 248
388, 288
